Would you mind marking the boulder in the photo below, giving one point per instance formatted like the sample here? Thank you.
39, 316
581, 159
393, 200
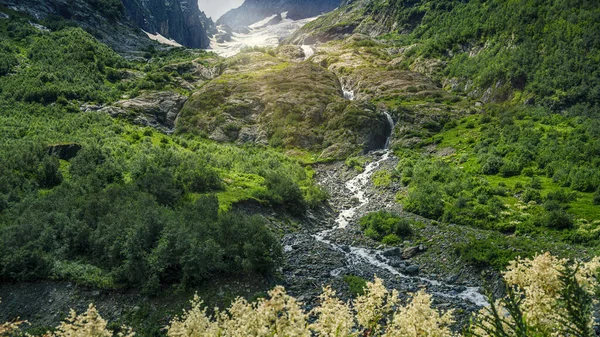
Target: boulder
412, 270
392, 252
410, 252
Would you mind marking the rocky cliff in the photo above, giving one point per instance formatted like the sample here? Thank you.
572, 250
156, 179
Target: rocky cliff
118, 23
255, 10
180, 20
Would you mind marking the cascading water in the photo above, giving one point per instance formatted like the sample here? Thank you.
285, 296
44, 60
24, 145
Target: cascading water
308, 51
373, 257
348, 94
392, 125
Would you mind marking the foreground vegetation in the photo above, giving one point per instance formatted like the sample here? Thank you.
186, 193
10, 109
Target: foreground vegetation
547, 296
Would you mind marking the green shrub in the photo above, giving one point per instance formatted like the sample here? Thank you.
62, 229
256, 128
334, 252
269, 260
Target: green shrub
425, 199
509, 169
558, 219
380, 225
382, 178
494, 251
492, 165
355, 163
391, 240
315, 196
282, 190
531, 195
356, 284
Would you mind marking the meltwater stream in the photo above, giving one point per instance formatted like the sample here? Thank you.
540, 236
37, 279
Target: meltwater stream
355, 255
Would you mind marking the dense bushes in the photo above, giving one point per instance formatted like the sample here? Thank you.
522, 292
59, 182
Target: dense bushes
132, 208
127, 219
523, 176
386, 227
541, 47
567, 156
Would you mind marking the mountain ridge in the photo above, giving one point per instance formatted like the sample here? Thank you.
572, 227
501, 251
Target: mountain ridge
252, 11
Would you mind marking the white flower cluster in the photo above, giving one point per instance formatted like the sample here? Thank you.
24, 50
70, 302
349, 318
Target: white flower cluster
281, 316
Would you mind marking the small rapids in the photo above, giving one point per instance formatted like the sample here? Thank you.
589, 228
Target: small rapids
359, 255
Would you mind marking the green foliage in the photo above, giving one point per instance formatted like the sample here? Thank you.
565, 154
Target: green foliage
133, 208
382, 178
596, 199
425, 199
558, 219
282, 190
386, 226
499, 42
356, 284
69, 63
495, 251
471, 187
356, 163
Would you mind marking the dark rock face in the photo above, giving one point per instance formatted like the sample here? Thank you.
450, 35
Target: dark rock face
64, 151
255, 10
180, 20
115, 31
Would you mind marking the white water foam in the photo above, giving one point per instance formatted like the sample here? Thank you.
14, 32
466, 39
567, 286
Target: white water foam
308, 51
348, 94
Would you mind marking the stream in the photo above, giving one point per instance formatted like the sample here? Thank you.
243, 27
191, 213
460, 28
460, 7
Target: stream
337, 258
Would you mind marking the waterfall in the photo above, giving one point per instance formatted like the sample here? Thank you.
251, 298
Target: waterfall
392, 125
348, 94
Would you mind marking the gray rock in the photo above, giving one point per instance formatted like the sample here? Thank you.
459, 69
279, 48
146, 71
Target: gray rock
392, 252
410, 252
414, 269
158, 109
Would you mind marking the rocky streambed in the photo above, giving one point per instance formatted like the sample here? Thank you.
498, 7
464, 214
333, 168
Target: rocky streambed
333, 246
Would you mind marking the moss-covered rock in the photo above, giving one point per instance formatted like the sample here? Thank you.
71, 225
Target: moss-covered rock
267, 99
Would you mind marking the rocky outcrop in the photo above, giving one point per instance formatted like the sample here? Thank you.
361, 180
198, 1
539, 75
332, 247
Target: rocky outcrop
262, 98
64, 151
253, 11
110, 27
357, 16
156, 109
